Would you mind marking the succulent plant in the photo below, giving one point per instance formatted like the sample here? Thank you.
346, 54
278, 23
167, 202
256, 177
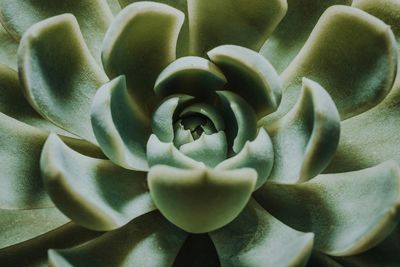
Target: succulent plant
199, 133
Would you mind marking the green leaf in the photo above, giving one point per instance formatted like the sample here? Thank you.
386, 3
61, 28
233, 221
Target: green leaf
161, 153
348, 212
59, 75
119, 126
200, 200
305, 139
257, 154
114, 6
21, 183
33, 252
246, 23
17, 226
14, 104
207, 110
146, 241
209, 149
18, 15
352, 54
249, 75
183, 40
240, 120
149, 32
291, 34
256, 238
92, 192
372, 137
194, 76
8, 51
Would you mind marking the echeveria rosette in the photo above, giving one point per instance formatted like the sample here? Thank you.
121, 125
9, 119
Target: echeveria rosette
192, 121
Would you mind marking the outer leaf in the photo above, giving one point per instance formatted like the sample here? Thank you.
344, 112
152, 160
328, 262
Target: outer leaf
189, 75
348, 212
183, 40
147, 241
249, 75
21, 185
200, 200
33, 252
14, 104
114, 6
18, 15
305, 139
209, 149
257, 154
120, 128
18, 226
94, 193
291, 34
8, 51
372, 137
149, 31
160, 153
246, 23
256, 238
352, 54
58, 74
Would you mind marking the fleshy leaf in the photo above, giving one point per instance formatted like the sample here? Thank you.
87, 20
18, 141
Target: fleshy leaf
17, 226
208, 111
240, 120
246, 23
18, 15
14, 104
92, 192
257, 154
33, 252
305, 139
163, 117
58, 74
120, 128
291, 34
114, 6
209, 149
372, 137
255, 238
8, 51
183, 40
348, 212
352, 54
149, 240
160, 153
21, 184
249, 75
189, 75
149, 32
200, 200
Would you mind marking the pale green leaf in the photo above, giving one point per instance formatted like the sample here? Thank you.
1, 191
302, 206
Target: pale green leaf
59, 75
120, 128
257, 239
92, 192
249, 75
149, 31
348, 212
257, 154
305, 139
194, 76
8, 50
18, 15
291, 34
352, 54
246, 23
209, 149
149, 240
200, 200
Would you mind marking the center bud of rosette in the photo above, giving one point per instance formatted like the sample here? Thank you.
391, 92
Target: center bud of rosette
206, 155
